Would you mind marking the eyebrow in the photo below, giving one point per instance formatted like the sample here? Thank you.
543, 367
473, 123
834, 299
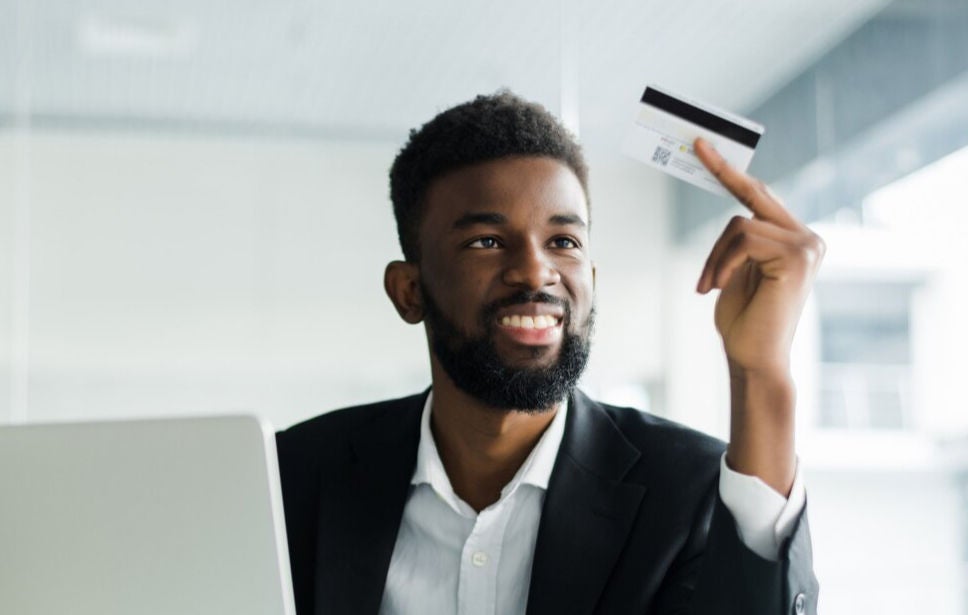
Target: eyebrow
492, 218
566, 220
479, 218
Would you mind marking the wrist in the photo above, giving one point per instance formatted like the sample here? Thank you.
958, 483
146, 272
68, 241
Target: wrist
762, 425
774, 373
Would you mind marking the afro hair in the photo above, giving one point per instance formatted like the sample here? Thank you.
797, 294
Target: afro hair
484, 129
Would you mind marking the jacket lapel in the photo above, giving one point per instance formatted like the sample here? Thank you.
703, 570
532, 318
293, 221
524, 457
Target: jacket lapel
366, 504
587, 513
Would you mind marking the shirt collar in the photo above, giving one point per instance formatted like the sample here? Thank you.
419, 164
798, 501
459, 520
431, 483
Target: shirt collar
535, 471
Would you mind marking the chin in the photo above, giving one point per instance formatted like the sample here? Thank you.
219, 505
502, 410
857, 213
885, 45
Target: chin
532, 357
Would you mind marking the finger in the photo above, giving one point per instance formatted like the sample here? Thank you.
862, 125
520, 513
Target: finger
744, 248
750, 191
739, 225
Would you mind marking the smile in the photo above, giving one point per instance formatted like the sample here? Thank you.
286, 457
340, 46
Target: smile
540, 321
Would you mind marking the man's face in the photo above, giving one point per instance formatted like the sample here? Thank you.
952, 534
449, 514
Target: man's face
507, 281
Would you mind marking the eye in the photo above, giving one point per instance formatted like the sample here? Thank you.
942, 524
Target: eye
565, 243
486, 243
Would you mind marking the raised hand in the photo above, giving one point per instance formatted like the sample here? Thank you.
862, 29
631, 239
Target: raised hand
764, 266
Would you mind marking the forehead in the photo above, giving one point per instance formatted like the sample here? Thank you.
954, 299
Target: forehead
520, 186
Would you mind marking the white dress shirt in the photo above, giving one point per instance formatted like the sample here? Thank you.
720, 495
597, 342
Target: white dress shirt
450, 559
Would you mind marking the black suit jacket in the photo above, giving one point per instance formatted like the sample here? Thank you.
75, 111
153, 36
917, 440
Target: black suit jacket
632, 521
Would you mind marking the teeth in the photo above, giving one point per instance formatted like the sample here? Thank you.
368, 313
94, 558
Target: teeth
529, 322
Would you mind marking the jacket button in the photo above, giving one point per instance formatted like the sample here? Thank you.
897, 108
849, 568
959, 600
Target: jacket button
800, 604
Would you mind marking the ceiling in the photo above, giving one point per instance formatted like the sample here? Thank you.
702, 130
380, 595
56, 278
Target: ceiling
371, 70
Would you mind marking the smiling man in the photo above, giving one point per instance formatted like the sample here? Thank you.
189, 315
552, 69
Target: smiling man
503, 489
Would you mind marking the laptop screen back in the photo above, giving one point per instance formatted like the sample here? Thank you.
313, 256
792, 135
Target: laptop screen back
179, 516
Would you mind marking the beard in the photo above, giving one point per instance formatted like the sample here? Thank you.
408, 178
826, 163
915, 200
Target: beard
474, 365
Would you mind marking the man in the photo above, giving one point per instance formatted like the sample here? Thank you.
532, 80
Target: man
505, 490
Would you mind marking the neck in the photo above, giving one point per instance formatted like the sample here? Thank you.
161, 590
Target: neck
481, 447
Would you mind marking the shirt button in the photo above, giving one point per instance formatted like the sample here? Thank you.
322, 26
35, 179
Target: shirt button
479, 558
800, 604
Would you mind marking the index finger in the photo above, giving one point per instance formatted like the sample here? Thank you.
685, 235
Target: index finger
748, 190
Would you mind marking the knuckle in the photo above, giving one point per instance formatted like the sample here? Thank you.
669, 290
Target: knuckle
814, 248
736, 223
808, 256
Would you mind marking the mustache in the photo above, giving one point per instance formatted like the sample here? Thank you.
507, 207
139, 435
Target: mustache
524, 297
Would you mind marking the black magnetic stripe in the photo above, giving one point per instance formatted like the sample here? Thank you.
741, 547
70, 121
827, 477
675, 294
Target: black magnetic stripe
707, 120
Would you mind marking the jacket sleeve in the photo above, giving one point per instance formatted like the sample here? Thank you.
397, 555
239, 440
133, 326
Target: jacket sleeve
717, 573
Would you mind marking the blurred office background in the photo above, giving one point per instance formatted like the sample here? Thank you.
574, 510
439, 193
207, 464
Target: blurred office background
194, 219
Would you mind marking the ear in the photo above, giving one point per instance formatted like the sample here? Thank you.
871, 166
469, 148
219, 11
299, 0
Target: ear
594, 271
401, 280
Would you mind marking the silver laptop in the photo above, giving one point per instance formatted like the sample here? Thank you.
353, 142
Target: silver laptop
166, 517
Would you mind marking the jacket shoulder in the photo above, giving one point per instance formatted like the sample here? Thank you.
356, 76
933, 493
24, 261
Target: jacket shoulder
310, 438
667, 446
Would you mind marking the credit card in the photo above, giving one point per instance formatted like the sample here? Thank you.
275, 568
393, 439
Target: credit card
666, 126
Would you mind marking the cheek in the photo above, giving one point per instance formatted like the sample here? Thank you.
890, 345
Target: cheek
466, 276
458, 293
580, 281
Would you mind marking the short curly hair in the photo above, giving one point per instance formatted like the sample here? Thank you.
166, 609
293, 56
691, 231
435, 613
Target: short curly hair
484, 129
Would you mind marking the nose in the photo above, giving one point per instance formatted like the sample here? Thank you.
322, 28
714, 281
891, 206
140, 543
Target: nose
530, 268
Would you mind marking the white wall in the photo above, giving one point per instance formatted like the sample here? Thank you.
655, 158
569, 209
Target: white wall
939, 338
887, 543
7, 196
190, 275
630, 205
